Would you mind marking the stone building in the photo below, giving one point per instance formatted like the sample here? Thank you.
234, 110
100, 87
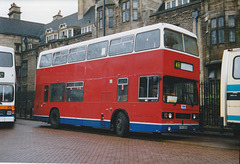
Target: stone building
220, 29
123, 15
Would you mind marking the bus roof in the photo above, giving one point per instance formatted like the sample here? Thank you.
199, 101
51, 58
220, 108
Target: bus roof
6, 49
130, 32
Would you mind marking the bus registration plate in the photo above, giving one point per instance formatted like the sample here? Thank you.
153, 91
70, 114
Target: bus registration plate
182, 127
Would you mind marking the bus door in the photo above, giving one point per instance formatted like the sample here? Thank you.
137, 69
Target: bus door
43, 98
233, 88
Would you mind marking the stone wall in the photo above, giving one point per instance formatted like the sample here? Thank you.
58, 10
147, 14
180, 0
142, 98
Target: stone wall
212, 53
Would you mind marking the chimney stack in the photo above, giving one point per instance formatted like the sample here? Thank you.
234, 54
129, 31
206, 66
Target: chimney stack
84, 6
58, 16
14, 12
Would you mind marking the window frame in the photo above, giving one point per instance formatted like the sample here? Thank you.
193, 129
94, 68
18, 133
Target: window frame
7, 56
60, 54
147, 48
49, 58
233, 69
62, 96
110, 17
126, 11
148, 98
75, 86
77, 53
121, 42
98, 56
46, 93
119, 97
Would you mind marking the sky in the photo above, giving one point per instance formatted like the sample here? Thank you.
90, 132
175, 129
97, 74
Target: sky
40, 11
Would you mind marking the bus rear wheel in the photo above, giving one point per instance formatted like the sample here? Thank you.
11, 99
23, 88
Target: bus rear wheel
121, 126
55, 119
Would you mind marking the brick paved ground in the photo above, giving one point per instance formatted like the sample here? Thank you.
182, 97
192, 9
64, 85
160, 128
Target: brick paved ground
31, 141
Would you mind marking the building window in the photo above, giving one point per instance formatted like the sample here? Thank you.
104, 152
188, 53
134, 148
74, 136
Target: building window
214, 23
179, 2
232, 35
231, 30
62, 34
168, 5
18, 47
220, 30
126, 11
55, 36
100, 19
185, 1
231, 21
214, 37
110, 17
135, 10
174, 3
217, 30
214, 31
70, 33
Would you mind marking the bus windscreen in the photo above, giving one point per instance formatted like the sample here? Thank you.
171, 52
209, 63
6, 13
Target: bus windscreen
6, 59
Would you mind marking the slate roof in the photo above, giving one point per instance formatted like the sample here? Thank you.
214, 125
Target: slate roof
72, 20
19, 27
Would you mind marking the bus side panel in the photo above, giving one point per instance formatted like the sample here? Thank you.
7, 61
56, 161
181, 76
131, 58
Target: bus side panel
230, 88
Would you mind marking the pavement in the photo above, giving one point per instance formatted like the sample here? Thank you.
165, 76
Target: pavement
36, 142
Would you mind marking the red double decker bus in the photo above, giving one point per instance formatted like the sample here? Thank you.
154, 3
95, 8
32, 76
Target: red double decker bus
143, 80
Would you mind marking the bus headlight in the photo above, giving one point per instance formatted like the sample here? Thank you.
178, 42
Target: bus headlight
167, 115
9, 113
195, 116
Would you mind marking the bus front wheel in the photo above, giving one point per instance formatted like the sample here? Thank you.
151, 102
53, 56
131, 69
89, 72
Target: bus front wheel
55, 119
122, 127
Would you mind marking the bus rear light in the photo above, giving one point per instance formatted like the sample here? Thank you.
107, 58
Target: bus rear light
167, 115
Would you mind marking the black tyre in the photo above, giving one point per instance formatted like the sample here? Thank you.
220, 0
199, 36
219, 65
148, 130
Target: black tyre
122, 125
55, 119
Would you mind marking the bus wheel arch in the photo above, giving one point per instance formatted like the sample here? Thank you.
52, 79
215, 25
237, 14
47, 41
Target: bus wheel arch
120, 122
54, 118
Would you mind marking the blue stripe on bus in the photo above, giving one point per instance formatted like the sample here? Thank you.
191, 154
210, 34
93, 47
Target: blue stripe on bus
233, 118
233, 88
137, 127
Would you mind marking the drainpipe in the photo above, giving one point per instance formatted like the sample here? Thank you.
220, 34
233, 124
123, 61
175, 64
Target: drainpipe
195, 15
104, 18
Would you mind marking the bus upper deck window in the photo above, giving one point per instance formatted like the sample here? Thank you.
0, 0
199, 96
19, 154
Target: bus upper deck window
148, 40
190, 45
77, 54
173, 40
60, 57
46, 60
